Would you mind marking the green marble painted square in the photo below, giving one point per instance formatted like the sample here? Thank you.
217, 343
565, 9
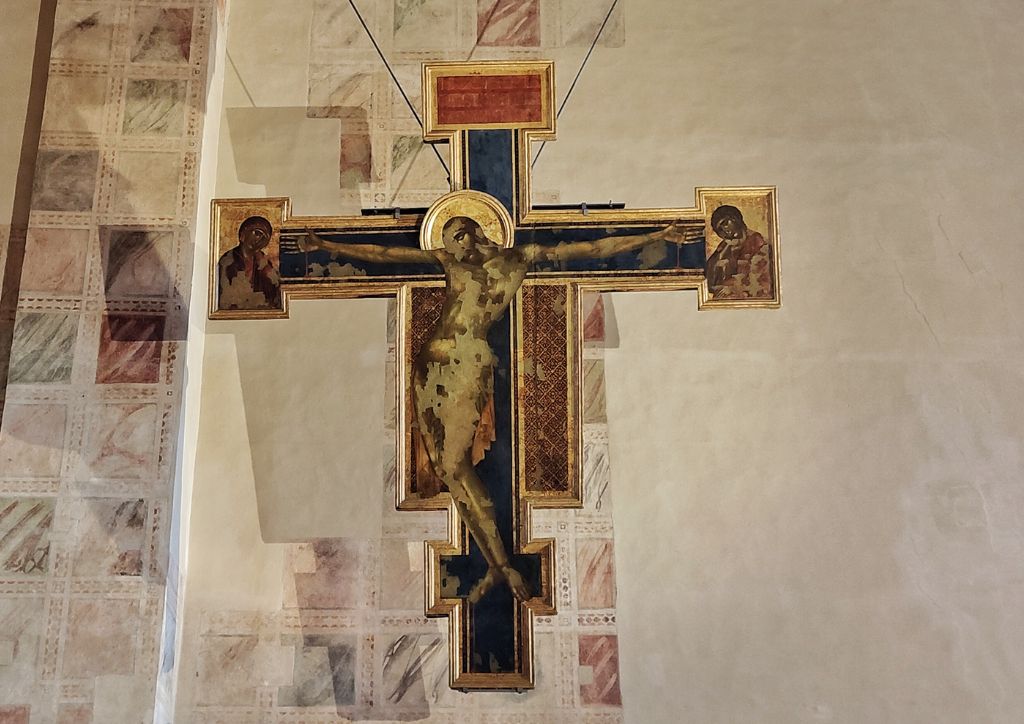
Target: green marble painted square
25, 535
154, 107
43, 349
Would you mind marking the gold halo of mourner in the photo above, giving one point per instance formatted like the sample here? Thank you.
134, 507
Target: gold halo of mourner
484, 209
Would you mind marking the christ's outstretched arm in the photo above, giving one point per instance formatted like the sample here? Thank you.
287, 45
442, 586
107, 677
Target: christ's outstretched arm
675, 233
367, 252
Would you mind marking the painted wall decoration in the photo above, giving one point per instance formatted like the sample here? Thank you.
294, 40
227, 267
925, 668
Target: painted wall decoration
489, 293
91, 420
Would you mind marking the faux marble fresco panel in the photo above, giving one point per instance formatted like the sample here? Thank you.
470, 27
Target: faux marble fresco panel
154, 107
32, 440
101, 637
593, 391
161, 35
323, 671
75, 104
340, 91
54, 260
415, 669
326, 574
14, 714
130, 348
581, 20
20, 632
425, 24
595, 573
401, 580
336, 24
120, 441
74, 714
414, 167
82, 31
599, 670
408, 75
64, 180
43, 347
403, 149
137, 263
147, 184
596, 477
25, 535
356, 165
110, 537
227, 670
593, 318
508, 22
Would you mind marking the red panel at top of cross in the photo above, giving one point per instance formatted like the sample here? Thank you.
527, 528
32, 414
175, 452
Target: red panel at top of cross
477, 95
483, 99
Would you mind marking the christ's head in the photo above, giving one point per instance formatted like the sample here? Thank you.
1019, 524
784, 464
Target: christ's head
254, 234
462, 235
727, 222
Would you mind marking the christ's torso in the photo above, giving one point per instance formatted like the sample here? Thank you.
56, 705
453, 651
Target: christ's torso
477, 293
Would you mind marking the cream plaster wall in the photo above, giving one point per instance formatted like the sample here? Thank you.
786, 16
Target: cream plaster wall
17, 43
818, 510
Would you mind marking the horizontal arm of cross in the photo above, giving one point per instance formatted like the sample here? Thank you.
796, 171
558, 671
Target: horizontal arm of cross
377, 253
611, 245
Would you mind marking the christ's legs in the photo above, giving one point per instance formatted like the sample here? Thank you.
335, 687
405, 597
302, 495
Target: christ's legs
447, 425
477, 509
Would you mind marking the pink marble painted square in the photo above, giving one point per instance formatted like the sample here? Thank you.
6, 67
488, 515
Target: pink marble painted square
74, 714
326, 574
595, 573
32, 440
110, 537
120, 442
14, 715
55, 261
130, 349
599, 670
101, 637
162, 35
593, 318
508, 23
356, 164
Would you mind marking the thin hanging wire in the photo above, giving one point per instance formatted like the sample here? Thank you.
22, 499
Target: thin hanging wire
397, 84
480, 35
583, 65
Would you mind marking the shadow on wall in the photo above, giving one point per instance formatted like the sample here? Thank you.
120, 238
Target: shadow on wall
313, 160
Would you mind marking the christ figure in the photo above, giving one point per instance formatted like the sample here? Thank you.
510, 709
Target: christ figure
454, 371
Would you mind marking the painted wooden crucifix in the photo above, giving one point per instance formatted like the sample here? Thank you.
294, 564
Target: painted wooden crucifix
489, 364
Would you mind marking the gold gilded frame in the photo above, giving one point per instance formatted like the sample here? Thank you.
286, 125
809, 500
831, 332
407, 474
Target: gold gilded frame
434, 131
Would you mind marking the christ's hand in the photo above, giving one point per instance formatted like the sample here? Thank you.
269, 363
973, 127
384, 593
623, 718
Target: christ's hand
310, 242
677, 233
